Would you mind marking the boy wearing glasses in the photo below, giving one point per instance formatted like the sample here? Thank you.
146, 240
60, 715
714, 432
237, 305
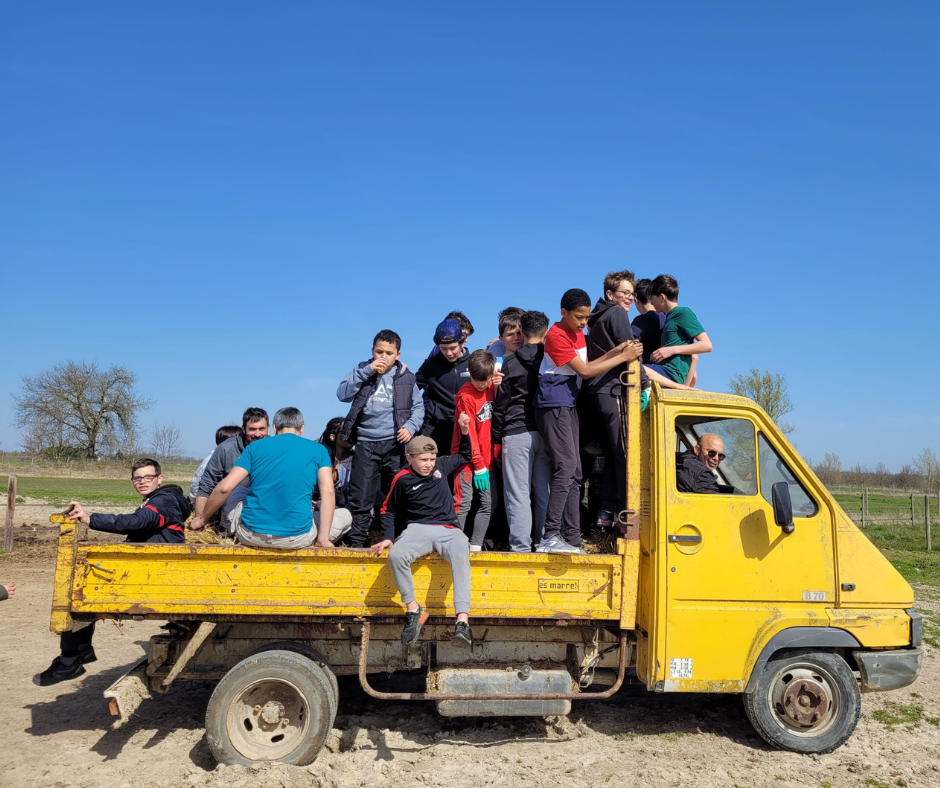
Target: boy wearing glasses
608, 327
159, 519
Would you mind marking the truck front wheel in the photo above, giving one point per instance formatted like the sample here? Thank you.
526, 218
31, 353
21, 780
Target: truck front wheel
806, 702
272, 706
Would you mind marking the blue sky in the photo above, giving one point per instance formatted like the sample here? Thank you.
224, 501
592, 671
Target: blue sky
231, 199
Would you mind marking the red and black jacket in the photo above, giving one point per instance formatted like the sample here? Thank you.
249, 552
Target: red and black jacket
423, 499
160, 518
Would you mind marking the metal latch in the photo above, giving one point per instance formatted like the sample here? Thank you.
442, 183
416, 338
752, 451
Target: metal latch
685, 538
848, 586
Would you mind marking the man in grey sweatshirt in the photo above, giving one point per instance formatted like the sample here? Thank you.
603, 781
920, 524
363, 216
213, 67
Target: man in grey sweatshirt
387, 411
255, 427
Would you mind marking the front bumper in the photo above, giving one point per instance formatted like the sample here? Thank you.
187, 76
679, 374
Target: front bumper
888, 670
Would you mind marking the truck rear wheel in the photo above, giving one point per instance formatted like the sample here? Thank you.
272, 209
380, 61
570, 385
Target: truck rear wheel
272, 706
806, 702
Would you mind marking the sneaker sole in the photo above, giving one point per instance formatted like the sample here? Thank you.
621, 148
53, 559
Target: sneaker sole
460, 642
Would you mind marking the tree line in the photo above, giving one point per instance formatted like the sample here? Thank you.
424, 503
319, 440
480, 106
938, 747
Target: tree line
76, 410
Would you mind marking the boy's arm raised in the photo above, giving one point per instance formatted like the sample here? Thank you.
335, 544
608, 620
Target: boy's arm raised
350, 385
626, 351
451, 463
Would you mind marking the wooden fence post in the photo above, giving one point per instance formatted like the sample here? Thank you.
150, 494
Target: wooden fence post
11, 509
912, 510
927, 520
863, 509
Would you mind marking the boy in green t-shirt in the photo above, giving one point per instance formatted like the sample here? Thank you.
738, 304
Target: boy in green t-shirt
683, 336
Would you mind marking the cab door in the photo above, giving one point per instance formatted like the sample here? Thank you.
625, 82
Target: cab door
731, 573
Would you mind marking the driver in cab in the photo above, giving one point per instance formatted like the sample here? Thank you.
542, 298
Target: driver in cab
696, 469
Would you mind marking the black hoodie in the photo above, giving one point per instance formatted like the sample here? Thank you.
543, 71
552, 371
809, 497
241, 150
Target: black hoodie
514, 410
608, 326
160, 518
440, 380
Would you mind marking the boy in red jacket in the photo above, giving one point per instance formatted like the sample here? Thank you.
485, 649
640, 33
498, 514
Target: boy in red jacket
473, 481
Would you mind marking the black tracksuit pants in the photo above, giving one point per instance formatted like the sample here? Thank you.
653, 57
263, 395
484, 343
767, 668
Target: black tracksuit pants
606, 408
374, 465
561, 432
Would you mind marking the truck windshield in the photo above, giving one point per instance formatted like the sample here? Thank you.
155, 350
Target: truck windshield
773, 469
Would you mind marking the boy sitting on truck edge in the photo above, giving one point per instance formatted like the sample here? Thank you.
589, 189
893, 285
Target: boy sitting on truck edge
159, 519
421, 501
473, 480
527, 468
563, 366
440, 377
387, 411
683, 336
284, 472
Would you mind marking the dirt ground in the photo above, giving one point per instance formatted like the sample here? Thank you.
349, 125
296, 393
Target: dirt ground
59, 736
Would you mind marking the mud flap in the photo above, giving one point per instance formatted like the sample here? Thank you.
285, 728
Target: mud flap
127, 693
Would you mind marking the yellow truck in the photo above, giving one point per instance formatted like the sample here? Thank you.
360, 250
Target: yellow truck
766, 589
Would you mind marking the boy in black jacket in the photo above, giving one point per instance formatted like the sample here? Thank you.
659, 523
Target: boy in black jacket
527, 466
159, 519
419, 515
440, 377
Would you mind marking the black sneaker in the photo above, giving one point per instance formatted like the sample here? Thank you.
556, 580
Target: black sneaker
414, 620
61, 669
462, 637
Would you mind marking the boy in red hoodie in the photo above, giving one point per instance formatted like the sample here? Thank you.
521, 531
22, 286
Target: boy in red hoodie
473, 481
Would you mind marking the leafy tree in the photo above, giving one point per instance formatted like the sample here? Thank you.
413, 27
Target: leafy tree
767, 390
77, 405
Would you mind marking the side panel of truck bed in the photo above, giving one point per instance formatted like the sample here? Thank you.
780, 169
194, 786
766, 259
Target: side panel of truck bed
162, 581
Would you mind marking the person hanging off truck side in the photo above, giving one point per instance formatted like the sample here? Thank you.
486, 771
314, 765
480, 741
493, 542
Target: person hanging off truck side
158, 520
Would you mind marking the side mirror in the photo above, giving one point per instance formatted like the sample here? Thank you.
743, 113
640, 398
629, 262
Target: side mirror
783, 507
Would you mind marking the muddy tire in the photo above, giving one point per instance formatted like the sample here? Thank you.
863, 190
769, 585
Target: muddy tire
314, 656
806, 702
272, 706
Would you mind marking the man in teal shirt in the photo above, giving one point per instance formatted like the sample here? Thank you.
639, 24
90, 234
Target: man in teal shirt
683, 336
284, 472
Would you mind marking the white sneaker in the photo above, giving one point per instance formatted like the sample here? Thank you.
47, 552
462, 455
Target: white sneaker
475, 548
556, 544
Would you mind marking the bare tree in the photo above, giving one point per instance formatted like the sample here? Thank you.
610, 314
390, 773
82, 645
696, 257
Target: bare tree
881, 476
767, 390
830, 469
928, 468
904, 478
79, 404
165, 441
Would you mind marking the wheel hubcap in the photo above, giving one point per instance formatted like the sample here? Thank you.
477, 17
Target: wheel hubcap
806, 700
267, 720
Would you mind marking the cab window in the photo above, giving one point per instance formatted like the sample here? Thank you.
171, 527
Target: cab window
737, 472
773, 469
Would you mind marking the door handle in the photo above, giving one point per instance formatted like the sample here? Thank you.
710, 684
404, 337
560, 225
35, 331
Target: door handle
687, 538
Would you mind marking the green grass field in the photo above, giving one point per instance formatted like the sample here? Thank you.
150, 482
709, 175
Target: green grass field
59, 491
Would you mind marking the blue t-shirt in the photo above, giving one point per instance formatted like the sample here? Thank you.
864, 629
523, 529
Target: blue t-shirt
283, 472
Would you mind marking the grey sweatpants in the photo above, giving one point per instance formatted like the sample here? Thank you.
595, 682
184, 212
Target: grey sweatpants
420, 540
463, 500
527, 476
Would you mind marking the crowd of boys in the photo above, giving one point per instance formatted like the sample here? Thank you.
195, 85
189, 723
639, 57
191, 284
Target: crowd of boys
508, 415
